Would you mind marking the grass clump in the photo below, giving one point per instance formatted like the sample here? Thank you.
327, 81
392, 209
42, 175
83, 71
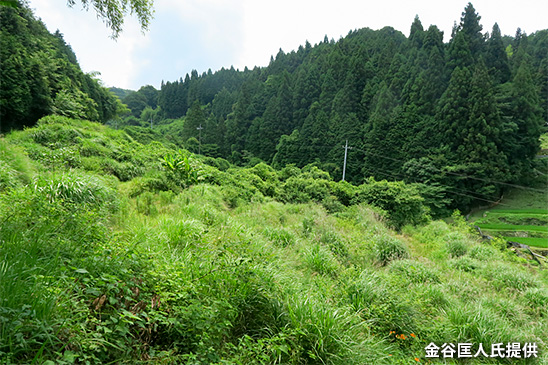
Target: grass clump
388, 248
320, 260
455, 244
506, 277
465, 263
537, 300
374, 300
414, 271
483, 252
280, 236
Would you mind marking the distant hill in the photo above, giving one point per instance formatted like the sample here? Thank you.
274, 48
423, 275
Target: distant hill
120, 93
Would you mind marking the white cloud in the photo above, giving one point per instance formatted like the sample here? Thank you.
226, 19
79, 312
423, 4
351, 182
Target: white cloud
202, 34
91, 40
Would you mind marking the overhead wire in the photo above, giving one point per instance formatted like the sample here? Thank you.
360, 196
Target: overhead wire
456, 174
445, 188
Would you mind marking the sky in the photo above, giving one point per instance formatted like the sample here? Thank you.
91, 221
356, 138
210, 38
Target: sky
188, 35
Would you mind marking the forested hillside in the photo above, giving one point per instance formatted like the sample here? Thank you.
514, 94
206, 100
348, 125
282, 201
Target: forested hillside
40, 75
412, 108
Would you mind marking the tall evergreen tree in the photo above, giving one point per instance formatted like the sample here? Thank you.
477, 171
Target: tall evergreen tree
496, 57
526, 112
416, 34
471, 28
194, 119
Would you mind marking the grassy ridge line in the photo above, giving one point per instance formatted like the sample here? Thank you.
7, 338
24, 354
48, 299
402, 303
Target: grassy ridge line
510, 227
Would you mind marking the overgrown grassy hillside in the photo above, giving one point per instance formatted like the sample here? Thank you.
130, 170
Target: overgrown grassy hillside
114, 251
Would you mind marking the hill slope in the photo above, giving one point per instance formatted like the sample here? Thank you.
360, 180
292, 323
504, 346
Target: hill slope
122, 252
40, 75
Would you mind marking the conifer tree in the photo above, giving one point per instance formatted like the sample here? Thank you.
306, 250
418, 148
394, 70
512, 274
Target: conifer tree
526, 112
496, 58
416, 34
471, 28
194, 119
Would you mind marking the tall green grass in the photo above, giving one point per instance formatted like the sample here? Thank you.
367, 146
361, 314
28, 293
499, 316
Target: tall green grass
98, 271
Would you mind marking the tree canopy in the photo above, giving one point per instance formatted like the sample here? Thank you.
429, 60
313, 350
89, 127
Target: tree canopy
113, 12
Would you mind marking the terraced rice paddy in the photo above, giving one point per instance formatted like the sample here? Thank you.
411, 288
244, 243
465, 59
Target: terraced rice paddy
522, 217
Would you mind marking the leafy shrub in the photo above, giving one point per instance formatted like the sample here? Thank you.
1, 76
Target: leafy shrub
264, 171
343, 191
219, 163
388, 248
288, 171
181, 168
331, 204
402, 202
303, 190
235, 196
312, 171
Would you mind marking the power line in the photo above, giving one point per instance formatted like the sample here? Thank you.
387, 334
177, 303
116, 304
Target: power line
456, 174
446, 188
416, 163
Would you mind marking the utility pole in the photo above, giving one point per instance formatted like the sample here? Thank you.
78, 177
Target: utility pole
150, 123
200, 139
346, 148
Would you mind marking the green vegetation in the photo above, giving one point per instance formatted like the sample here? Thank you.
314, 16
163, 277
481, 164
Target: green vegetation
41, 75
543, 212
210, 226
528, 225
530, 241
510, 227
109, 254
463, 117
113, 12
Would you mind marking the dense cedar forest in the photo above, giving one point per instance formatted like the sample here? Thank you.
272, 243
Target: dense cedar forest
412, 108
